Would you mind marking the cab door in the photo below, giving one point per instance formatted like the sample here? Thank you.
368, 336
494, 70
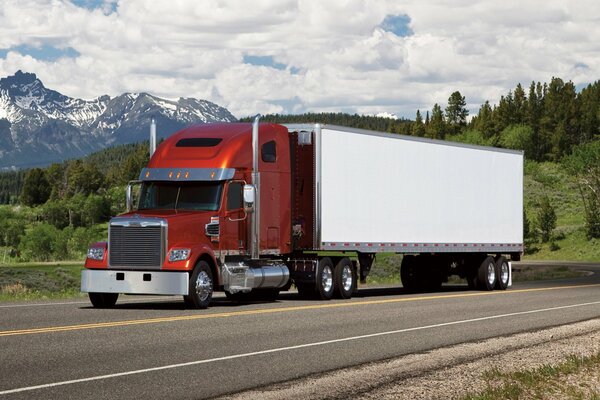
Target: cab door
234, 231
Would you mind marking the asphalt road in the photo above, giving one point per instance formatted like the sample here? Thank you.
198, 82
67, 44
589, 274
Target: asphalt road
154, 348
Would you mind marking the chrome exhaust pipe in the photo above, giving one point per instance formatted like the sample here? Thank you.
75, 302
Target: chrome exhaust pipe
152, 136
255, 227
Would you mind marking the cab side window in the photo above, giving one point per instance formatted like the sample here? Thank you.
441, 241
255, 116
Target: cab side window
234, 196
269, 152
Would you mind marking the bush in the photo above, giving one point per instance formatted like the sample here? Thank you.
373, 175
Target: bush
39, 242
592, 219
81, 238
546, 219
518, 137
55, 213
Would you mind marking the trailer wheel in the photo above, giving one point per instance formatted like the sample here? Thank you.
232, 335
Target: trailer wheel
486, 274
200, 286
103, 300
502, 273
324, 278
409, 273
344, 279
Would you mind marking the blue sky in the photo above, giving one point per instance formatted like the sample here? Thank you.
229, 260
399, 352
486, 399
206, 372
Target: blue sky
291, 56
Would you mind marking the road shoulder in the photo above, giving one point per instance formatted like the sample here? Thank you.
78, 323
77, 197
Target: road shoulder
450, 372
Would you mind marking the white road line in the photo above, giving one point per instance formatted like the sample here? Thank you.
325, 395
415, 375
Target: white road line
282, 349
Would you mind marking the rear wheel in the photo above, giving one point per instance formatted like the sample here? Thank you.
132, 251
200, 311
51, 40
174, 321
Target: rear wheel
344, 279
486, 274
324, 279
103, 300
200, 287
502, 273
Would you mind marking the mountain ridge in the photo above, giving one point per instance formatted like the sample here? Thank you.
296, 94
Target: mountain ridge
39, 125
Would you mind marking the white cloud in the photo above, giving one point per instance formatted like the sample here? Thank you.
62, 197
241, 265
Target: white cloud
342, 60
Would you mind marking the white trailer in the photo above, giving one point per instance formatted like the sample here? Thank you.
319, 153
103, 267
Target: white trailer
450, 208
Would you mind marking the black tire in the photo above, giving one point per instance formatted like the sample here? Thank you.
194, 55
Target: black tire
200, 287
324, 279
344, 279
103, 300
486, 274
409, 274
502, 273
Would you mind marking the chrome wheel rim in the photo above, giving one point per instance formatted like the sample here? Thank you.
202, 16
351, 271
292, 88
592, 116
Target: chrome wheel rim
326, 278
491, 274
203, 286
504, 273
347, 278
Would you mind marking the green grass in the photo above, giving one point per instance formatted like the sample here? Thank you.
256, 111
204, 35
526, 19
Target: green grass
555, 381
30, 281
569, 239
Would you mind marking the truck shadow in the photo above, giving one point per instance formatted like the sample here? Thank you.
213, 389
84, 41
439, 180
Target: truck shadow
221, 302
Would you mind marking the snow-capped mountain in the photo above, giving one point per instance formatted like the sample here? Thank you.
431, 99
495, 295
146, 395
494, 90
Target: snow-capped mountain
39, 125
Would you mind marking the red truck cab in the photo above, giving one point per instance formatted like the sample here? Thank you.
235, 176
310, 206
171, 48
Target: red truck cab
191, 216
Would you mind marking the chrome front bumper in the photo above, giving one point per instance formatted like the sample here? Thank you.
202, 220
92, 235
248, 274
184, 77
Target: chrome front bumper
134, 282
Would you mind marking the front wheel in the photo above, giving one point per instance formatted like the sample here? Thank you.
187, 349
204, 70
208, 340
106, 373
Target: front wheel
200, 289
103, 300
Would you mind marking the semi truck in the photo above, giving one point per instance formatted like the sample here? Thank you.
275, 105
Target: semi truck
254, 208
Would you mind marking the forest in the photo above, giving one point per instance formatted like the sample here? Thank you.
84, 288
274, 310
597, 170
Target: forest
55, 212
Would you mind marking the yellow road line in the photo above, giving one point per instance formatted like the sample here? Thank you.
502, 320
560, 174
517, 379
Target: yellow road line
194, 317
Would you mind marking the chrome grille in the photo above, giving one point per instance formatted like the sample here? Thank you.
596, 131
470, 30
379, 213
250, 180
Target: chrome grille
136, 245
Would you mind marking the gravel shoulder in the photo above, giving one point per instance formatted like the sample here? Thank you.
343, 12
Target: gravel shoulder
450, 372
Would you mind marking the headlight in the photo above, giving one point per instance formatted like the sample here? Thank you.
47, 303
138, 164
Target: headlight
96, 253
179, 255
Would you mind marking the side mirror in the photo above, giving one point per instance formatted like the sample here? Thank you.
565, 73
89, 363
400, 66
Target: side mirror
249, 194
132, 195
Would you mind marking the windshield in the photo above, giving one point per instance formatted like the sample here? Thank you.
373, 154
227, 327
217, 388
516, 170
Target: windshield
199, 196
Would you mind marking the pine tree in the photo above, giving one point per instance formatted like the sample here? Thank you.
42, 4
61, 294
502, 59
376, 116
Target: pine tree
456, 112
437, 125
418, 128
483, 122
36, 189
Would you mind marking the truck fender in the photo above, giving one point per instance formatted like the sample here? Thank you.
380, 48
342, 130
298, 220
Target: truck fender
205, 253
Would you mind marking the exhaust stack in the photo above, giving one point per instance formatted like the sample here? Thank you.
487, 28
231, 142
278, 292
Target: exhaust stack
255, 227
152, 136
